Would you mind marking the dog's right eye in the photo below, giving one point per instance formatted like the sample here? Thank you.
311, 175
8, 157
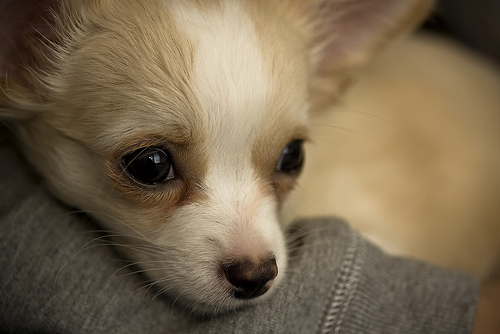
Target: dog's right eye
292, 158
149, 166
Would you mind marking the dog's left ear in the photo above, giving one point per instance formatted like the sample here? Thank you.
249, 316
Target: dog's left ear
26, 29
345, 33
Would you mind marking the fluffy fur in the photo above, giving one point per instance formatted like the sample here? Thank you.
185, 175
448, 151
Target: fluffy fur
410, 156
223, 86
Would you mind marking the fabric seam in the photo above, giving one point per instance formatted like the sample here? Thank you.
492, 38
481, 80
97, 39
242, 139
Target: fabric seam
344, 287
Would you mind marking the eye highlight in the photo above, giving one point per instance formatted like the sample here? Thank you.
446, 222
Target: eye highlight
292, 158
149, 166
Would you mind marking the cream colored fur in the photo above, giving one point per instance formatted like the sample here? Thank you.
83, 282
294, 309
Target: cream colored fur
224, 86
410, 156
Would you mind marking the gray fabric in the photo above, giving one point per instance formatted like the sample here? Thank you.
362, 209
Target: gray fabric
55, 279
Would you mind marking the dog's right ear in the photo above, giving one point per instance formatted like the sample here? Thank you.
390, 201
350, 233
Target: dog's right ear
344, 34
26, 32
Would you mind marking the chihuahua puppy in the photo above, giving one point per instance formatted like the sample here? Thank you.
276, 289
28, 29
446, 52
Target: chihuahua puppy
180, 124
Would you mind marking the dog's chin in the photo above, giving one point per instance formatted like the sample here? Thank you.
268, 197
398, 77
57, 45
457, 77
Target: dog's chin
223, 302
201, 310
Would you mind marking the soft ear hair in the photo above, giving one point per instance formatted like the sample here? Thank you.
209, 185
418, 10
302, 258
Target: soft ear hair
26, 31
345, 33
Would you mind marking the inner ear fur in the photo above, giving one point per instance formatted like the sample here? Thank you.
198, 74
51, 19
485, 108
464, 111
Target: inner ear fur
344, 34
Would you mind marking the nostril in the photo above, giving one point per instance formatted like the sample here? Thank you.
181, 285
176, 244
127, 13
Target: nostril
250, 279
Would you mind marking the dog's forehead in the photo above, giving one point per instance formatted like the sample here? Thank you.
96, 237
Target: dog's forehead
238, 82
229, 78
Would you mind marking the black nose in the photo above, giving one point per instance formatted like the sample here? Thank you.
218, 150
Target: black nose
250, 279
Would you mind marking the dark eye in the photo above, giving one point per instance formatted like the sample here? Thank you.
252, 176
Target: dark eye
292, 158
149, 166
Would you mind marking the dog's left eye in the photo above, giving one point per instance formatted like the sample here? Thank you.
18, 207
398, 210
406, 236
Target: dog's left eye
292, 158
149, 166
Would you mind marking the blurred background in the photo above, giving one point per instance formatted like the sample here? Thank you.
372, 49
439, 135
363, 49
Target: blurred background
475, 23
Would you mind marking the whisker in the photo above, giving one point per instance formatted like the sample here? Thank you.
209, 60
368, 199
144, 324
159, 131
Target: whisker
138, 264
123, 223
146, 249
151, 284
72, 258
160, 292
176, 299
372, 139
134, 272
358, 112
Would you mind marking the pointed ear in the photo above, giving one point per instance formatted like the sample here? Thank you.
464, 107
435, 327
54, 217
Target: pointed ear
345, 33
26, 28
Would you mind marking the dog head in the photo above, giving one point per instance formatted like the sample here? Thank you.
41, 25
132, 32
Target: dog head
179, 124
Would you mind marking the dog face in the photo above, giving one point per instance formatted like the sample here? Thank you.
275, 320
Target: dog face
179, 124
